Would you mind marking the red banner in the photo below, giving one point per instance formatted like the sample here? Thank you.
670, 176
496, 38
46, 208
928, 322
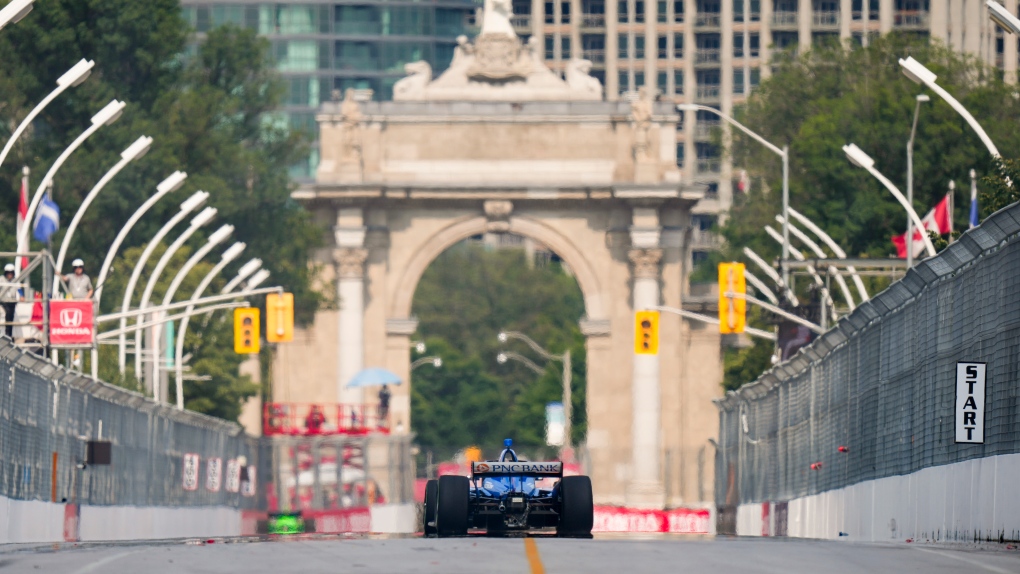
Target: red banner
71, 323
678, 520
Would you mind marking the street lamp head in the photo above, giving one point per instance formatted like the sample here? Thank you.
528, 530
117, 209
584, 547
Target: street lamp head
501, 358
502, 337
15, 11
172, 183
857, 156
109, 114
420, 347
437, 362
917, 72
998, 13
687, 107
233, 251
137, 149
249, 267
257, 279
77, 74
923, 98
221, 234
196, 200
205, 216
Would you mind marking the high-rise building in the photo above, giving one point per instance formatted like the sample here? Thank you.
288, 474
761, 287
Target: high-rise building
326, 45
713, 52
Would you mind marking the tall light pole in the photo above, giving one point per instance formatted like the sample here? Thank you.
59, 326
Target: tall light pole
168, 185
783, 153
765, 267
434, 361
817, 250
857, 157
231, 253
14, 12
133, 152
73, 77
198, 221
217, 237
826, 296
910, 178
922, 75
505, 336
196, 200
828, 240
106, 116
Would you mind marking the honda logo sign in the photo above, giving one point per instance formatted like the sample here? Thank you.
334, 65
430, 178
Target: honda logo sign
71, 317
71, 323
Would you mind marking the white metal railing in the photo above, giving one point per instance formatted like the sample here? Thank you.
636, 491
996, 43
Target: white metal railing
707, 55
521, 22
784, 18
709, 20
911, 18
708, 92
826, 18
593, 20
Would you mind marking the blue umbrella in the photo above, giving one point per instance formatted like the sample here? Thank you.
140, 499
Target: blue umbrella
373, 377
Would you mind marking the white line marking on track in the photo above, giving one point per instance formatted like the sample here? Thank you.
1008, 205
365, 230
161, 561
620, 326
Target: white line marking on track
955, 556
92, 567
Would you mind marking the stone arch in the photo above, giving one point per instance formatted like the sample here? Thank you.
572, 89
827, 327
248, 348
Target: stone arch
461, 229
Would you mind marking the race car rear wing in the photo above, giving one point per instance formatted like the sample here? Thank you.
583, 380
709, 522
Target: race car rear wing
536, 469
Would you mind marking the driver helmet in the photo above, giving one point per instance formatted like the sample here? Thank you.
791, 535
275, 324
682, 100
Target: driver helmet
9, 268
77, 263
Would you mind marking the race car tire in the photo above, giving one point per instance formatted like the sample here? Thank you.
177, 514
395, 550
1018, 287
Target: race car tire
452, 505
429, 516
577, 510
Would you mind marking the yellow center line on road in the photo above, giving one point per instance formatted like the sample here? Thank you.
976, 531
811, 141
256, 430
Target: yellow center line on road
534, 560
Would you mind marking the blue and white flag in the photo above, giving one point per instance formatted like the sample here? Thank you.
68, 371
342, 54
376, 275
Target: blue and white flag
973, 200
47, 219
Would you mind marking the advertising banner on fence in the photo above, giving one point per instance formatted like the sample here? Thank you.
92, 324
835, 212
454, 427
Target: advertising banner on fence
213, 474
189, 475
970, 403
678, 520
71, 323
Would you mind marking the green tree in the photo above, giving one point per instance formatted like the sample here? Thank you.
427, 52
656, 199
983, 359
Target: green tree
465, 298
833, 95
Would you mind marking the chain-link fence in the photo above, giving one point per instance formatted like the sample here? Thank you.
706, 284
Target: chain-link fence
48, 415
875, 396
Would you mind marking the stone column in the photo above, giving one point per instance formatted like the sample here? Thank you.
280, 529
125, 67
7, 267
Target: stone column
350, 263
646, 488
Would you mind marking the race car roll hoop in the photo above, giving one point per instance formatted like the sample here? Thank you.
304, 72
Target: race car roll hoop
503, 497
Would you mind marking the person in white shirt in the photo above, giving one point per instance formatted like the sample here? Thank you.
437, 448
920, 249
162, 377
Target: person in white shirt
79, 285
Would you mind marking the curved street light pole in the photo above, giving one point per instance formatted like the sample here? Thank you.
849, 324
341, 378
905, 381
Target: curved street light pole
857, 156
783, 153
504, 356
106, 116
757, 260
218, 236
247, 269
229, 255
761, 286
909, 237
196, 200
198, 221
73, 77
827, 297
814, 247
434, 361
133, 152
861, 291
168, 185
504, 336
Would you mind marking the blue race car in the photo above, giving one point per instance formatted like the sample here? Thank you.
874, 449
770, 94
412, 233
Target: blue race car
502, 497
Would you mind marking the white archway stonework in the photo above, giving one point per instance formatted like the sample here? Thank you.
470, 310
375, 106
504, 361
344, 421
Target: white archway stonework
594, 181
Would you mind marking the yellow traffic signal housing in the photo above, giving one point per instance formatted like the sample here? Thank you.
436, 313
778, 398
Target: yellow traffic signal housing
732, 310
246, 330
646, 332
280, 317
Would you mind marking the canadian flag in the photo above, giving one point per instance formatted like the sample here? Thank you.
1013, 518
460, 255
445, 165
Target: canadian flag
939, 219
22, 214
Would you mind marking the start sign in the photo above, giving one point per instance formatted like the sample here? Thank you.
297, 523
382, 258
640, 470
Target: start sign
970, 403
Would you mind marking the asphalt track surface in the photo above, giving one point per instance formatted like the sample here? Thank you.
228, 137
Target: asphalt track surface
626, 554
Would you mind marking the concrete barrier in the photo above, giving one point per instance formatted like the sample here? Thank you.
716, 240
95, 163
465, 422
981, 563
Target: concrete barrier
135, 523
30, 521
973, 499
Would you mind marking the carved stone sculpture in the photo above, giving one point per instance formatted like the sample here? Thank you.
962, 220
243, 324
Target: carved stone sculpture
413, 85
496, 18
498, 213
350, 262
641, 117
579, 79
646, 262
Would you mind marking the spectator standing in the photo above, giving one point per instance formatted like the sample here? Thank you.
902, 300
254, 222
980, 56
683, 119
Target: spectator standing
384, 404
10, 294
79, 285
314, 420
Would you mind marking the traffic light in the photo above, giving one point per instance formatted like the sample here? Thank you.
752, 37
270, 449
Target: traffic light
646, 332
732, 310
246, 330
280, 317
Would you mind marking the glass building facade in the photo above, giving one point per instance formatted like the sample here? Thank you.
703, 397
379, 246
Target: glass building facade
320, 46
